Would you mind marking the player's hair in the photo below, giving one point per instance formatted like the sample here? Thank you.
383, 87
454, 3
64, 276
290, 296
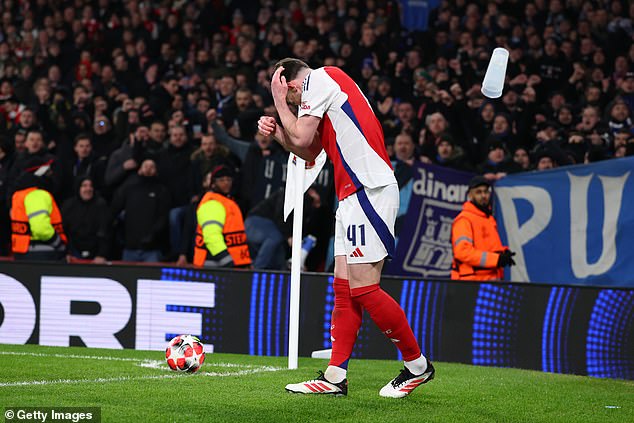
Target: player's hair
291, 67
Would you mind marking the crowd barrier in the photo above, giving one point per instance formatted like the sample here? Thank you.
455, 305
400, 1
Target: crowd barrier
561, 329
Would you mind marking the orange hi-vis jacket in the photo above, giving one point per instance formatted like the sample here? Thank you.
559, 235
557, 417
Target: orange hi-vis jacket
20, 226
233, 232
476, 245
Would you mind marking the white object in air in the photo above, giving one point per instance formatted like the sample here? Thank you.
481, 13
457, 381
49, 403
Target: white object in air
322, 354
494, 78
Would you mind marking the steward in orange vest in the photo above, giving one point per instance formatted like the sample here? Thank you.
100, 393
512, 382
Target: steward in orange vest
220, 237
478, 253
36, 223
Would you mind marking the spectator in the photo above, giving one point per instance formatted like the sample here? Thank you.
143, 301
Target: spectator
449, 155
403, 163
27, 121
477, 249
262, 171
545, 161
209, 155
548, 139
595, 154
86, 222
267, 232
483, 125
221, 240
404, 158
35, 148
84, 164
177, 174
406, 119
156, 140
627, 91
497, 165
621, 138
503, 131
161, 97
124, 161
552, 67
244, 125
618, 116
592, 127
238, 148
521, 157
104, 140
435, 126
19, 142
224, 101
145, 203
565, 118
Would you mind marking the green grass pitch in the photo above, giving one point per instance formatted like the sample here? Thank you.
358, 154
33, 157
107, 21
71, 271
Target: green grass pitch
137, 386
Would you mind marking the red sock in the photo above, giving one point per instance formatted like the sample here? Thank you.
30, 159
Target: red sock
389, 317
345, 324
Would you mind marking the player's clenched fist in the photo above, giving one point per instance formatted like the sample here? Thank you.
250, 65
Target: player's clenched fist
267, 125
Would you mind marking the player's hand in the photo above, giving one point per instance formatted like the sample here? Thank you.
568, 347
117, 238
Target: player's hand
267, 125
279, 87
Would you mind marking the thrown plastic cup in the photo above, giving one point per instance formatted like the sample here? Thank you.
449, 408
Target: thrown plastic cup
493, 83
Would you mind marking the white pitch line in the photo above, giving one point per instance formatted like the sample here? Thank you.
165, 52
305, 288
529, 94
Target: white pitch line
134, 378
160, 365
133, 360
93, 357
74, 381
153, 364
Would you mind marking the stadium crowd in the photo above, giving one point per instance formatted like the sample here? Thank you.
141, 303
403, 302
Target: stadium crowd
126, 98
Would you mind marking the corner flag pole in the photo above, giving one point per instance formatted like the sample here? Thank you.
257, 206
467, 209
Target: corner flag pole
296, 253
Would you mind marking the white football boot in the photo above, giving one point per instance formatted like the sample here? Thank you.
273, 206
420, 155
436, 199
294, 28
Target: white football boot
403, 384
319, 386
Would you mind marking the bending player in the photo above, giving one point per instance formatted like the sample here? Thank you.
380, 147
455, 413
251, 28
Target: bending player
334, 114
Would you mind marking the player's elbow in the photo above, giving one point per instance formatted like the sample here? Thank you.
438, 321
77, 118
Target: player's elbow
304, 140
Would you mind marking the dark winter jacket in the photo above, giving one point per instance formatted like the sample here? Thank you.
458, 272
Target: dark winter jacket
86, 224
145, 203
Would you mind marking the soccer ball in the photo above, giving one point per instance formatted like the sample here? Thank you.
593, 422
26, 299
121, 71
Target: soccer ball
185, 353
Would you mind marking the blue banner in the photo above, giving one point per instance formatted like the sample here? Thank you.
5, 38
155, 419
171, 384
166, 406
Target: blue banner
424, 239
415, 13
572, 225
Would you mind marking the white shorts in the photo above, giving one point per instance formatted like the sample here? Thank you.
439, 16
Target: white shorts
364, 224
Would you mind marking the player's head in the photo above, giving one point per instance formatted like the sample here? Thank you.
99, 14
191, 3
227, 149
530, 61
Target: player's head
292, 68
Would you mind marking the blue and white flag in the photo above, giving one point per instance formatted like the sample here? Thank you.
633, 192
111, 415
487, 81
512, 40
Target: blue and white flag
424, 239
572, 225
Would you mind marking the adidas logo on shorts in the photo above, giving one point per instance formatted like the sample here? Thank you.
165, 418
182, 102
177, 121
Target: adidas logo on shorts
356, 253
